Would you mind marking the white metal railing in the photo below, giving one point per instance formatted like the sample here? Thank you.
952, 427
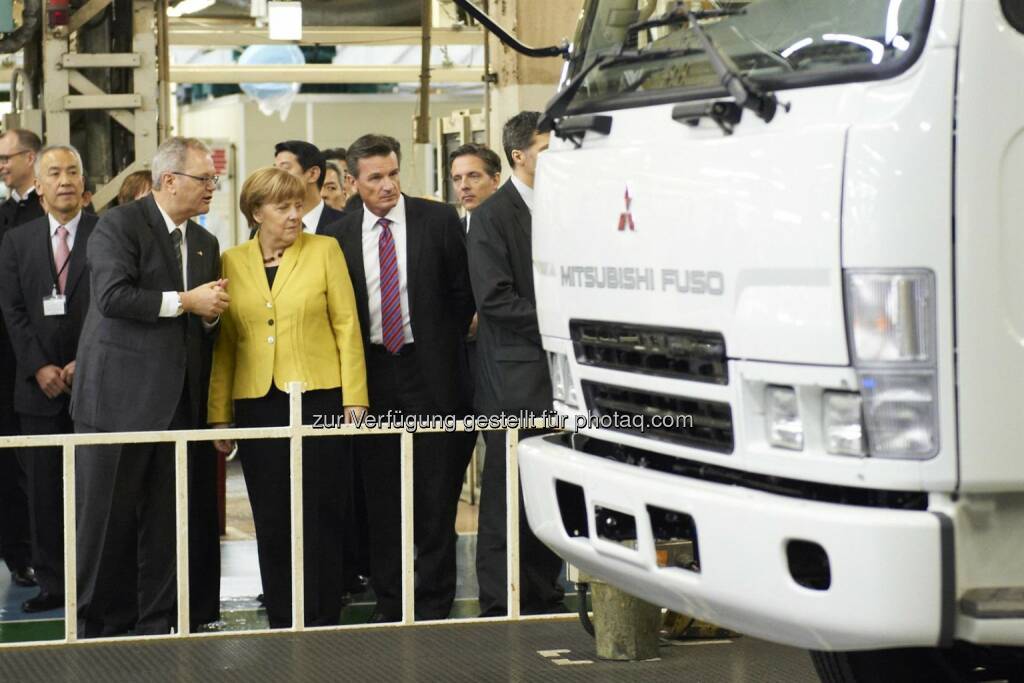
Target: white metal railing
295, 432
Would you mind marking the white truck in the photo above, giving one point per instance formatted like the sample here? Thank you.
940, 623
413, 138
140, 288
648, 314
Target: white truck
799, 224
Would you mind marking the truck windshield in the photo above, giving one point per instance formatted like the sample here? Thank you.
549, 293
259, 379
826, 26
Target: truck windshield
776, 43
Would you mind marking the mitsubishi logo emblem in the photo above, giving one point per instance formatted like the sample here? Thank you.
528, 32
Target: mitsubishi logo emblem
626, 217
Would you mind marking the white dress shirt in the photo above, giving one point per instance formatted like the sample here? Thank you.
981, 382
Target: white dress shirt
72, 228
17, 197
525, 191
312, 219
171, 303
371, 266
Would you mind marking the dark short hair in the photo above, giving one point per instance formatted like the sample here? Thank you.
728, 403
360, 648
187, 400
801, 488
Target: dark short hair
518, 133
308, 154
331, 166
492, 162
336, 153
27, 139
371, 146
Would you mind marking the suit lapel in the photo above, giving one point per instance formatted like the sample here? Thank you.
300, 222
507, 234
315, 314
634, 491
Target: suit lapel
288, 263
196, 257
521, 212
163, 238
77, 265
254, 261
413, 247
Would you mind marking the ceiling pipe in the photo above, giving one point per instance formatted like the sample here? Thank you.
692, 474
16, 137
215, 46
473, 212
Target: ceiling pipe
30, 20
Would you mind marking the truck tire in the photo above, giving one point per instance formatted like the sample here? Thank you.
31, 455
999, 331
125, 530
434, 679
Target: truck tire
960, 664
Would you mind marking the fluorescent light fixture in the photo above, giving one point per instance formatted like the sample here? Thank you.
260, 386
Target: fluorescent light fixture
798, 45
876, 48
284, 19
188, 7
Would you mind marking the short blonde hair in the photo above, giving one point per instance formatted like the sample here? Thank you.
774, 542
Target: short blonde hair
268, 186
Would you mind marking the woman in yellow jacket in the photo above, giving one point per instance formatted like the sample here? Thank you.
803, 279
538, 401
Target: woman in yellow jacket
292, 318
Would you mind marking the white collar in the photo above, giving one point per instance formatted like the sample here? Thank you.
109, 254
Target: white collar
169, 222
396, 215
17, 197
525, 191
312, 219
71, 225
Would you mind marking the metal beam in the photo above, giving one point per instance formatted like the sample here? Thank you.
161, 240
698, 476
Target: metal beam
121, 60
317, 73
195, 32
102, 101
85, 13
83, 85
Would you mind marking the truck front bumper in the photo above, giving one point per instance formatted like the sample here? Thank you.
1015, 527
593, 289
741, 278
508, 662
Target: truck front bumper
891, 570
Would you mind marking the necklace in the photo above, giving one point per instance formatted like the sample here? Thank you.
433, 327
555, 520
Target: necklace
273, 258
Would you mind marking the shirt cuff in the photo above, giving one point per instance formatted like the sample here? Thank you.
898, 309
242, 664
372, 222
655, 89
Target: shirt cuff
170, 305
210, 326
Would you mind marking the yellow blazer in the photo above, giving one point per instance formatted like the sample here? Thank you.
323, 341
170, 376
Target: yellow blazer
304, 329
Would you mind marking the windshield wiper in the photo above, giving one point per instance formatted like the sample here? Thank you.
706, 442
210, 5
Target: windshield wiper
746, 94
559, 104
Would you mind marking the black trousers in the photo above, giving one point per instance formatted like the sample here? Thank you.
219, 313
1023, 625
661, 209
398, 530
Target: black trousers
44, 477
15, 537
539, 568
326, 477
203, 534
125, 500
439, 466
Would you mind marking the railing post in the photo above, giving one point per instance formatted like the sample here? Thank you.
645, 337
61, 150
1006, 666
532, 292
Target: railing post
181, 542
408, 529
512, 519
70, 549
298, 541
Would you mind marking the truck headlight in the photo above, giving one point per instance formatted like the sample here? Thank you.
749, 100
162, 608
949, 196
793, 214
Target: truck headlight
892, 330
562, 385
900, 413
782, 412
891, 316
843, 423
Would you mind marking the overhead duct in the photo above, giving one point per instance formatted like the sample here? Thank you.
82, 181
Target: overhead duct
29, 27
342, 12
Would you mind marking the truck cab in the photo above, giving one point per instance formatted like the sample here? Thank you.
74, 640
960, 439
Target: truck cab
792, 338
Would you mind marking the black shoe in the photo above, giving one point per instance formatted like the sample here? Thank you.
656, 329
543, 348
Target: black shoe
24, 577
43, 602
384, 617
260, 599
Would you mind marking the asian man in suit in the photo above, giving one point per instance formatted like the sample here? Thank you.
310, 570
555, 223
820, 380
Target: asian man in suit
143, 363
306, 162
44, 293
407, 260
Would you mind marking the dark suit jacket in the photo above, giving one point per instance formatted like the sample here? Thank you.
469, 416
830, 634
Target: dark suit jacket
440, 300
513, 371
27, 275
132, 364
12, 214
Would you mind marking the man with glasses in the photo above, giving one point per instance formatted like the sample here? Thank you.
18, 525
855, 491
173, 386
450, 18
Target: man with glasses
18, 151
143, 364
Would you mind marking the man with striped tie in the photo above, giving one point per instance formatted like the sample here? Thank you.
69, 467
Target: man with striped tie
407, 260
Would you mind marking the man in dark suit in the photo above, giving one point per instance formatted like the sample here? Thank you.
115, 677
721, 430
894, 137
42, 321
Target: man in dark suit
18, 151
407, 260
40, 262
143, 357
513, 372
305, 161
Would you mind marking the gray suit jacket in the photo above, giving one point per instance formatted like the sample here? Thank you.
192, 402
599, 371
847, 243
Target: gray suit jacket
132, 365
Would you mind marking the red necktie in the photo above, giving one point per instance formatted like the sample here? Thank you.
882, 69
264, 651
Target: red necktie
60, 258
390, 295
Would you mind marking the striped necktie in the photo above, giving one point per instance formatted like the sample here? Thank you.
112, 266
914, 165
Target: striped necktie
390, 295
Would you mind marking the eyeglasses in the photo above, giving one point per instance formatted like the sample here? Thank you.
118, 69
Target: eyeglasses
5, 158
208, 180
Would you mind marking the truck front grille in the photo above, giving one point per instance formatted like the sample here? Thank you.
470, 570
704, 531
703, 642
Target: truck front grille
681, 354
694, 422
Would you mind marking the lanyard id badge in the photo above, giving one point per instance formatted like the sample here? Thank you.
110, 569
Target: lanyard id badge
55, 304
